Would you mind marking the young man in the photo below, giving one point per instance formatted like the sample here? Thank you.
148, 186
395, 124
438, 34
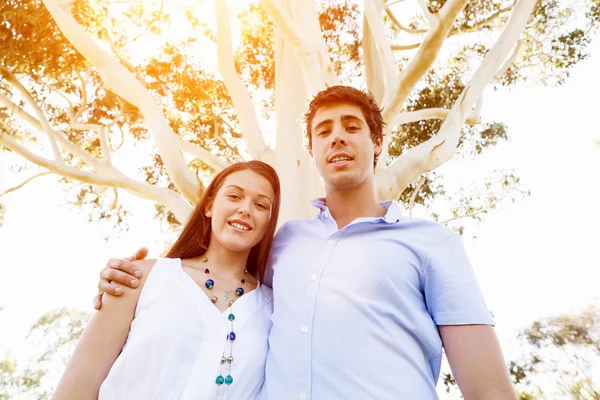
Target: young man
364, 297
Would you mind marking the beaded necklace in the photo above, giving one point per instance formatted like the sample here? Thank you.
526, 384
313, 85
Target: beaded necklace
210, 283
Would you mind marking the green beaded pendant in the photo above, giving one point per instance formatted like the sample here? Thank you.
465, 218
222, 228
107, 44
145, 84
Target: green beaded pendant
220, 380
231, 317
229, 380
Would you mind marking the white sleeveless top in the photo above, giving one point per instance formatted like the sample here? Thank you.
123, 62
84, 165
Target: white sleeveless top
177, 339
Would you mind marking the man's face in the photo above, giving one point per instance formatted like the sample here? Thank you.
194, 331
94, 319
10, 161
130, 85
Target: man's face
342, 147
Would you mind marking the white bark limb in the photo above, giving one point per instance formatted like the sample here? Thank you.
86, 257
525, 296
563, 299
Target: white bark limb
374, 19
46, 128
66, 145
164, 196
399, 25
422, 60
372, 61
25, 182
123, 83
206, 156
430, 113
299, 180
433, 20
442, 147
402, 47
316, 70
509, 62
257, 148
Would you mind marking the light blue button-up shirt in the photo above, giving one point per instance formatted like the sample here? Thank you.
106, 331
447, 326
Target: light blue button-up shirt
356, 310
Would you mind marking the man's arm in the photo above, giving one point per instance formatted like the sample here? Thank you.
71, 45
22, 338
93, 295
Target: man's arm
119, 272
100, 345
477, 364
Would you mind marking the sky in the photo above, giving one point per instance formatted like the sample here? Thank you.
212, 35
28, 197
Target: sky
535, 258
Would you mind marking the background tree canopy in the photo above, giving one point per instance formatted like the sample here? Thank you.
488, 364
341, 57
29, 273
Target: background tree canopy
55, 102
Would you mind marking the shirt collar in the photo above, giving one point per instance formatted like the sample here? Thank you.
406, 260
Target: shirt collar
392, 215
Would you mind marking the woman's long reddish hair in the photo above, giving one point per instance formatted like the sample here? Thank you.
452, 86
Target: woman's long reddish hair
195, 236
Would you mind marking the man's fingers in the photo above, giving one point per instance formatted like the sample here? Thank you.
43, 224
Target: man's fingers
115, 276
110, 288
141, 253
98, 301
122, 265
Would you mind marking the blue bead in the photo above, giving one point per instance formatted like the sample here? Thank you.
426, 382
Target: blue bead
220, 380
229, 380
239, 291
209, 283
232, 336
231, 317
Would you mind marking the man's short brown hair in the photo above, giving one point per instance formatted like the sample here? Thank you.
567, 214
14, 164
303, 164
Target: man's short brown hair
340, 94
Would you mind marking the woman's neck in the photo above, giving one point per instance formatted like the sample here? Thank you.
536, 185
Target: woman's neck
222, 261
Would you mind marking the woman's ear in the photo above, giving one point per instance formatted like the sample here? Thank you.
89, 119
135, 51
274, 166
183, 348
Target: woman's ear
208, 210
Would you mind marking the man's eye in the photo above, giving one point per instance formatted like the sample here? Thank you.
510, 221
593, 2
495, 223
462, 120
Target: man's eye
324, 132
353, 128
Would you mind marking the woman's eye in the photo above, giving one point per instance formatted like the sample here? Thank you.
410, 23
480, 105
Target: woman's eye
234, 196
262, 206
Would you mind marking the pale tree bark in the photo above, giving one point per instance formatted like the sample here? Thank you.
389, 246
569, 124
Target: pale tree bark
299, 180
123, 83
302, 68
442, 147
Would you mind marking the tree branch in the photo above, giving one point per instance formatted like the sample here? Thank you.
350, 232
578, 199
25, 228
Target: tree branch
372, 62
165, 196
395, 21
422, 60
373, 16
508, 63
411, 203
398, 47
42, 118
442, 147
239, 94
25, 182
431, 113
123, 83
66, 144
317, 68
483, 22
433, 19
206, 156
478, 211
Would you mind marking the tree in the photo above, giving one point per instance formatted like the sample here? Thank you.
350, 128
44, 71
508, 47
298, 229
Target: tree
77, 89
559, 354
53, 338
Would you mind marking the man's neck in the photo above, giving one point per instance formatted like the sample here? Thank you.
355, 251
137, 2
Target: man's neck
346, 205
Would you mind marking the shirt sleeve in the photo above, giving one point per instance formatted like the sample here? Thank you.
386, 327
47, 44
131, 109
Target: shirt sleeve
452, 294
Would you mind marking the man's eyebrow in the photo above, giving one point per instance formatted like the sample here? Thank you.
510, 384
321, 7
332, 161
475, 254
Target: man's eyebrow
350, 117
324, 122
241, 189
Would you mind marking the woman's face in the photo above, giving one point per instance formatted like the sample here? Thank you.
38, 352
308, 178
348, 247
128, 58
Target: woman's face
241, 210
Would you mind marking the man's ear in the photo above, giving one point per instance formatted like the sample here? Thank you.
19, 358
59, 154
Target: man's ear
378, 145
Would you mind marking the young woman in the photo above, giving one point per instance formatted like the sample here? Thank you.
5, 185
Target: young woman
198, 328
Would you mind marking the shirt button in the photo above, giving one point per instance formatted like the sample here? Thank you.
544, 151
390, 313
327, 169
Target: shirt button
304, 329
331, 242
314, 277
303, 396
